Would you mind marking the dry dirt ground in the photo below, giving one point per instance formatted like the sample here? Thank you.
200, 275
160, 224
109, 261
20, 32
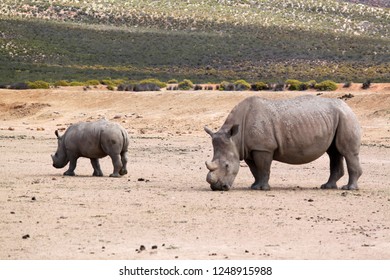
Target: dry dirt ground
164, 203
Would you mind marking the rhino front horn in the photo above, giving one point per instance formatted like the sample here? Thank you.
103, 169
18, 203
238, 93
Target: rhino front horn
211, 166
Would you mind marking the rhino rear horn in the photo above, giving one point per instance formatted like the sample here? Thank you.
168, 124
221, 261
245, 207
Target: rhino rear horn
211, 165
208, 131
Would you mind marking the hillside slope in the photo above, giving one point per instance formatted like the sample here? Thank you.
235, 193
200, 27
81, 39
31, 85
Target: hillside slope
202, 40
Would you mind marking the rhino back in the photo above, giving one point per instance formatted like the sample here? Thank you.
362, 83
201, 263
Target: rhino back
296, 131
84, 139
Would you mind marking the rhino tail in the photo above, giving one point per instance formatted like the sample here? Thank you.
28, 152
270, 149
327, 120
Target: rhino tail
125, 137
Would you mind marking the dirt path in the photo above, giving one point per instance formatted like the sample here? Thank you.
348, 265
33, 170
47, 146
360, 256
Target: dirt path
164, 203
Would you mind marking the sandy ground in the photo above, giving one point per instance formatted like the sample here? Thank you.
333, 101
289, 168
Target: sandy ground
164, 204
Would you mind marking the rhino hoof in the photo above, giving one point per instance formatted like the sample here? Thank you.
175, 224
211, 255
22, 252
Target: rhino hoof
262, 188
328, 186
123, 172
115, 175
69, 173
350, 187
97, 174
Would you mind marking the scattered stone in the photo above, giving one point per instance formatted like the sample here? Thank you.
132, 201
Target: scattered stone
142, 248
346, 96
26, 236
154, 247
33, 198
310, 200
11, 128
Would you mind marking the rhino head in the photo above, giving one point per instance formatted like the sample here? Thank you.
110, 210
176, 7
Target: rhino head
60, 158
226, 161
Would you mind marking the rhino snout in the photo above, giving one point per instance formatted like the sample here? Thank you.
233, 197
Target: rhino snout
215, 184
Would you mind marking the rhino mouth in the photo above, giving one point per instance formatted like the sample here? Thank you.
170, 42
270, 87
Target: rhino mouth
219, 187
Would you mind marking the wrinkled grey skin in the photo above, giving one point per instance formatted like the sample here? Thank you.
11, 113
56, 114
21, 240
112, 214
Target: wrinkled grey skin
294, 131
92, 140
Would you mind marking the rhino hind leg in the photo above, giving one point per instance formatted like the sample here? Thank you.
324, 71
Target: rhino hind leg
354, 172
123, 170
117, 163
336, 167
96, 167
260, 167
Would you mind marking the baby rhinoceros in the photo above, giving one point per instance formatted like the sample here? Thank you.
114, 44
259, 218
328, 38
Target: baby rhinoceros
294, 131
92, 140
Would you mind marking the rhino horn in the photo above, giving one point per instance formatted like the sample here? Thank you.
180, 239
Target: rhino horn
211, 165
208, 130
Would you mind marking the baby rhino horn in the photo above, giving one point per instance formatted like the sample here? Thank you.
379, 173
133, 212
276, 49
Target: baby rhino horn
211, 165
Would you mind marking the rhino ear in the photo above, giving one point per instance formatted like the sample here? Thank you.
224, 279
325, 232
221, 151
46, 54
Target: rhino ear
234, 130
56, 133
208, 131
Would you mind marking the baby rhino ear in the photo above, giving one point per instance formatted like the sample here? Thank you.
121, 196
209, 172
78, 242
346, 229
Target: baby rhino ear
234, 130
208, 131
56, 133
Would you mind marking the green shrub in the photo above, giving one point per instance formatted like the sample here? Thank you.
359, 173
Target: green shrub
186, 85
226, 86
173, 81
259, 86
327, 85
198, 87
110, 87
241, 85
293, 84
92, 82
153, 82
76, 84
347, 85
311, 83
38, 84
366, 84
61, 83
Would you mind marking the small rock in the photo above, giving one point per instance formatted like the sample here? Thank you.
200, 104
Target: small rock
11, 128
26, 236
310, 200
33, 198
142, 248
154, 247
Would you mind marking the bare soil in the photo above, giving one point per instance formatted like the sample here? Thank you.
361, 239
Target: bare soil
164, 205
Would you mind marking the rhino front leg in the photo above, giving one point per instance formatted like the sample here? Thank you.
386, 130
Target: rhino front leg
123, 170
261, 170
96, 167
336, 168
72, 167
117, 163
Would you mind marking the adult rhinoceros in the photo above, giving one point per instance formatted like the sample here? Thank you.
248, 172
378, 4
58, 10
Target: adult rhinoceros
294, 131
92, 140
